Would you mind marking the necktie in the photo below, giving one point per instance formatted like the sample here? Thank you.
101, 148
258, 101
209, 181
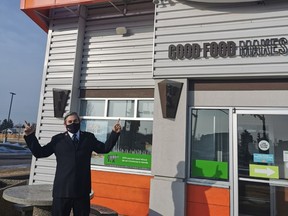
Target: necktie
75, 140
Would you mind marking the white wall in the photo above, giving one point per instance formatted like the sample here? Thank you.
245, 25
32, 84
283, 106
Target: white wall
181, 22
118, 61
167, 194
264, 98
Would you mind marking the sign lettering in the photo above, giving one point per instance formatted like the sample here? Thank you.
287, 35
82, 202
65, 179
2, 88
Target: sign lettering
229, 49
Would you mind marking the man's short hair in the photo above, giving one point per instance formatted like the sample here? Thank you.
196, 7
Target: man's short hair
70, 114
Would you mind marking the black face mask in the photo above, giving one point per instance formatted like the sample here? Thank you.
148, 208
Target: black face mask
73, 128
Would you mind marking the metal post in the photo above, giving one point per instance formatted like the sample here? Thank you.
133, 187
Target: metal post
12, 94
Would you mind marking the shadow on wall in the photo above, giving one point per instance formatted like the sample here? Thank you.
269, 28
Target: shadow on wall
178, 197
173, 200
154, 213
188, 199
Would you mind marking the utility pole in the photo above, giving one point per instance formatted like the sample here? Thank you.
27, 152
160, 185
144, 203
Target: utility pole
5, 138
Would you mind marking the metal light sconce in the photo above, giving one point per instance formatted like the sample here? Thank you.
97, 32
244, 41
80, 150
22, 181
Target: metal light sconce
156, 2
121, 30
60, 98
170, 92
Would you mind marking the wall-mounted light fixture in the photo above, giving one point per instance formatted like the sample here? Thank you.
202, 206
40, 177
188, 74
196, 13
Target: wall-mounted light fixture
156, 2
60, 98
170, 92
121, 30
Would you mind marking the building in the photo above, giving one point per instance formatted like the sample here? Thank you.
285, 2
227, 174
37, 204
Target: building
201, 89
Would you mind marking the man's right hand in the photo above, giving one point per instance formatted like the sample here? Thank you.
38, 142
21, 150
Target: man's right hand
28, 129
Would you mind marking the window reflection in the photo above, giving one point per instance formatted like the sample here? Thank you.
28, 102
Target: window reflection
262, 140
92, 108
210, 143
145, 108
136, 137
134, 147
121, 108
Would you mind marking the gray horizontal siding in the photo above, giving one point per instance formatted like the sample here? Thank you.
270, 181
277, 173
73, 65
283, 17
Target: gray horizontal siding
181, 23
58, 73
107, 59
111, 60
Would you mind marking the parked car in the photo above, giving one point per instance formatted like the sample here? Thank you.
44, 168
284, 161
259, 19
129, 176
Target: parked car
11, 131
14, 151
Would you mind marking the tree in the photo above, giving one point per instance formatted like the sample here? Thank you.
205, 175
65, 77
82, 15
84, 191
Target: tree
5, 124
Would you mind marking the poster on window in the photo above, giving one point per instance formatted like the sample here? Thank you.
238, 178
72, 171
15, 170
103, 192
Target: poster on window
140, 161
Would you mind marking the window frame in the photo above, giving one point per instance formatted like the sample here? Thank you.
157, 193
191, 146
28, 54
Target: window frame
105, 117
210, 182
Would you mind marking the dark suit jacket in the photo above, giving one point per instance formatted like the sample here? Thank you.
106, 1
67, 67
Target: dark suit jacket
73, 175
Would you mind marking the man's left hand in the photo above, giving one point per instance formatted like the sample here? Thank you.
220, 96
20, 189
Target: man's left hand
117, 126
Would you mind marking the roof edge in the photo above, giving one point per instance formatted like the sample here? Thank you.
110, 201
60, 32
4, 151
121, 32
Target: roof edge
37, 19
33, 8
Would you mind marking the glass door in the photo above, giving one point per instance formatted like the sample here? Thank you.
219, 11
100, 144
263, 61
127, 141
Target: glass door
261, 146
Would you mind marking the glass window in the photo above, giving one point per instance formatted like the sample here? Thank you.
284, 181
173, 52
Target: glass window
134, 147
121, 108
136, 137
210, 144
92, 108
100, 128
145, 108
262, 144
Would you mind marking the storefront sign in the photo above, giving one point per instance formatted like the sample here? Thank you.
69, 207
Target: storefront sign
229, 49
262, 171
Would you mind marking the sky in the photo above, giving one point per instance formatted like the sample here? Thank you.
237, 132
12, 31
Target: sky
22, 51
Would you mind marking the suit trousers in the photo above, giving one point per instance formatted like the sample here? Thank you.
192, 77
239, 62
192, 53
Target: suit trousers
63, 206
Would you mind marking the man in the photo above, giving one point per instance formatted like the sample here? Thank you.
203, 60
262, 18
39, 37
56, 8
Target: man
73, 148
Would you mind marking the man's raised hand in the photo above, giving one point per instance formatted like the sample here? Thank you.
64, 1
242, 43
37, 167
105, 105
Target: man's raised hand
117, 126
29, 129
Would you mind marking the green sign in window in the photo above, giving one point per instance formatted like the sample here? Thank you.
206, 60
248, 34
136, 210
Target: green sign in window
209, 169
142, 161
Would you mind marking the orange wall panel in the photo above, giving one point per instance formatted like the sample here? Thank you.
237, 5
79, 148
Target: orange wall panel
123, 207
198, 209
206, 194
121, 179
136, 194
207, 201
128, 194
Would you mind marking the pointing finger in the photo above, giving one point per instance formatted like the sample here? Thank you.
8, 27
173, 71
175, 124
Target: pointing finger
26, 124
